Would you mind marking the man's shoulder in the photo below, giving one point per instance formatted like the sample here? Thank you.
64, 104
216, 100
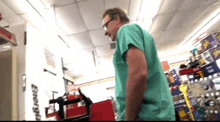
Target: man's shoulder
129, 28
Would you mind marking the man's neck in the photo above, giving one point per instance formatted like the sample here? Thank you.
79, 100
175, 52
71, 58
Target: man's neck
121, 25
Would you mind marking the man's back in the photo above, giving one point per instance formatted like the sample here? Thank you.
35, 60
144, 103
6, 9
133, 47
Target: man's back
158, 102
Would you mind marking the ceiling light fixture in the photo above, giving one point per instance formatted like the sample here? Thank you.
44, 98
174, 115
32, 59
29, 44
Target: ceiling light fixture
149, 9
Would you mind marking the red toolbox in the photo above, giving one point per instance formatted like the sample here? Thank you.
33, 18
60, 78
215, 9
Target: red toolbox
101, 111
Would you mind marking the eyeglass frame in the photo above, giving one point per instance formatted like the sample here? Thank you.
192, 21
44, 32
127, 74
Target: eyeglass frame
105, 26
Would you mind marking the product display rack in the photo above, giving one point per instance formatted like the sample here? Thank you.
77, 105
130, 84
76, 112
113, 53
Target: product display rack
202, 78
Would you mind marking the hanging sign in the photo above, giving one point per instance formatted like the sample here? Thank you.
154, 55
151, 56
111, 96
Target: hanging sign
165, 65
6, 36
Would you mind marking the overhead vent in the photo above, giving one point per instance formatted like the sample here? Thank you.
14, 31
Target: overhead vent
113, 45
6, 37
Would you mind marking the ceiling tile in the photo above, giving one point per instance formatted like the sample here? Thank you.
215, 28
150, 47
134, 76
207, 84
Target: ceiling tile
19, 7
186, 17
15, 20
170, 6
83, 39
161, 22
37, 23
92, 11
104, 50
82, 63
207, 12
6, 12
4, 23
134, 9
149, 8
165, 45
74, 44
69, 19
193, 15
163, 39
178, 20
57, 3
124, 4
80, 0
74, 57
98, 37
196, 3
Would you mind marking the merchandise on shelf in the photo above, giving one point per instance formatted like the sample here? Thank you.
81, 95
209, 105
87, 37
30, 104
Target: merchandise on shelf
176, 81
215, 52
202, 77
217, 36
210, 69
207, 57
209, 42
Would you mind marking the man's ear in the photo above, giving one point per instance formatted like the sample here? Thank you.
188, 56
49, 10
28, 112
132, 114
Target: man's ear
118, 19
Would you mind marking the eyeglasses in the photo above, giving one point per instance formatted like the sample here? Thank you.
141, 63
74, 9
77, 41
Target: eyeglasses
105, 26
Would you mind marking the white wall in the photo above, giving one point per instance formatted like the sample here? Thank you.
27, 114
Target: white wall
37, 40
175, 57
97, 91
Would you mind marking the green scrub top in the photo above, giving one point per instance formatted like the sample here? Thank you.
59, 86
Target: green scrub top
159, 101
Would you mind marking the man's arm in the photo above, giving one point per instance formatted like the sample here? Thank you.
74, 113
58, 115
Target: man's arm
137, 82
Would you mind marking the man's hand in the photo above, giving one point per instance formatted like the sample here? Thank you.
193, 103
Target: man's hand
137, 82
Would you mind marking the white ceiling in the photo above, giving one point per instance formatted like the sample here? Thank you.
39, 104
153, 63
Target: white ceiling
80, 20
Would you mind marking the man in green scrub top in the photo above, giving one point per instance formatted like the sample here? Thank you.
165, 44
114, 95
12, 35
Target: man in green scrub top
141, 88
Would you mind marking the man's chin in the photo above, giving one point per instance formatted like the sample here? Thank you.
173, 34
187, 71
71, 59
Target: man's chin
113, 40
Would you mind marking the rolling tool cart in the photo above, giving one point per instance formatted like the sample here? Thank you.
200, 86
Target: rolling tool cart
101, 111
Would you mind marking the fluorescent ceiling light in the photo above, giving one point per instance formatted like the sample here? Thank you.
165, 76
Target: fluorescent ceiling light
149, 9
